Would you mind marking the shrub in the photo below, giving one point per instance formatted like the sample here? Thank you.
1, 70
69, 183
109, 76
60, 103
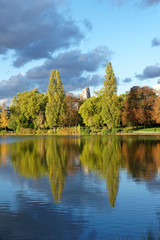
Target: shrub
41, 131
85, 131
116, 130
26, 131
128, 130
3, 132
106, 131
50, 131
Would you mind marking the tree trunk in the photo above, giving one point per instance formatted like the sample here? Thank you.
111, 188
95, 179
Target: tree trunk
54, 129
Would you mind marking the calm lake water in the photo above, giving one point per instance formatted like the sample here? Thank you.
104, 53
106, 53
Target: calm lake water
65, 188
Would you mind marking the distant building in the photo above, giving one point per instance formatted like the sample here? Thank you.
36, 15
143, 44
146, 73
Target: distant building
85, 93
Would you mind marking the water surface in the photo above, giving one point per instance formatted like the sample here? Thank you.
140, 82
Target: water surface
79, 188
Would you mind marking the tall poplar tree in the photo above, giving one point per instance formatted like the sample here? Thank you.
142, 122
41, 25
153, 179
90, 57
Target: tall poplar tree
110, 103
55, 109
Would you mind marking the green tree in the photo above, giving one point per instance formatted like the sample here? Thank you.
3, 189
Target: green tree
122, 98
27, 107
91, 112
110, 103
55, 109
12, 124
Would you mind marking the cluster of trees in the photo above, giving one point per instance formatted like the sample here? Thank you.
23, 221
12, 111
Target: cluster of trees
104, 109
56, 108
32, 109
139, 106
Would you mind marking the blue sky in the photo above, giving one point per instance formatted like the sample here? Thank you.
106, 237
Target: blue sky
78, 38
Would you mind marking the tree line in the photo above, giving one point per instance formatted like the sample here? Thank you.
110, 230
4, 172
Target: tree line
56, 108
35, 110
139, 106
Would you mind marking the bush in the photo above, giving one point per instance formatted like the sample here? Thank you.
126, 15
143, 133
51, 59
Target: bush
41, 132
12, 124
26, 131
85, 131
50, 131
17, 130
106, 131
128, 130
3, 132
116, 130
113, 131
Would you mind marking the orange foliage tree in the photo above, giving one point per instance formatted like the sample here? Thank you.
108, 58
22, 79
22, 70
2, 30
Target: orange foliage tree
132, 113
148, 97
72, 106
138, 107
156, 110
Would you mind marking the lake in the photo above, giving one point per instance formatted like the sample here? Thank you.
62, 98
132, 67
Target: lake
93, 187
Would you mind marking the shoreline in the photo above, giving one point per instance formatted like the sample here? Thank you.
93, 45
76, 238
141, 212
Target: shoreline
81, 135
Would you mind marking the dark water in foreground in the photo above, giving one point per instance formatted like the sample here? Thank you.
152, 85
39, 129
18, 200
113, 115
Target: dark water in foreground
79, 188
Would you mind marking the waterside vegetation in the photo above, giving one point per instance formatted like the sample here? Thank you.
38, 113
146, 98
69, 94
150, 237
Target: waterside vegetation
58, 112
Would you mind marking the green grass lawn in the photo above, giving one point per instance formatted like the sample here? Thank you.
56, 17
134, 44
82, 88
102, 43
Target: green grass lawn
151, 129
143, 130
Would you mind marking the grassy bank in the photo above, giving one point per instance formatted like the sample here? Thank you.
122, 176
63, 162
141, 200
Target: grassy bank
78, 131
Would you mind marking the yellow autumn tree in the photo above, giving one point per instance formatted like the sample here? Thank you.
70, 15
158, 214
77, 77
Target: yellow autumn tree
3, 117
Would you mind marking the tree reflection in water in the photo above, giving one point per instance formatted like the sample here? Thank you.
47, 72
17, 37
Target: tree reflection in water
4, 153
105, 156
141, 157
51, 156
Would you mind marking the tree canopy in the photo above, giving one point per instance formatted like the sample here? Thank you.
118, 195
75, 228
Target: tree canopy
156, 110
110, 103
55, 109
139, 106
26, 109
91, 112
3, 117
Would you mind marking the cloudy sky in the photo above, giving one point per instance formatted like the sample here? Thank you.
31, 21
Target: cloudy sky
78, 38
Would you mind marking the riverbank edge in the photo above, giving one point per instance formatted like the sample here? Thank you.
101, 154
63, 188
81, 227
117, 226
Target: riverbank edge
91, 134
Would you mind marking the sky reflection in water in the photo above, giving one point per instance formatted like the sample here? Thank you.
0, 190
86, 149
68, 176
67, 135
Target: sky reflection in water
79, 188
